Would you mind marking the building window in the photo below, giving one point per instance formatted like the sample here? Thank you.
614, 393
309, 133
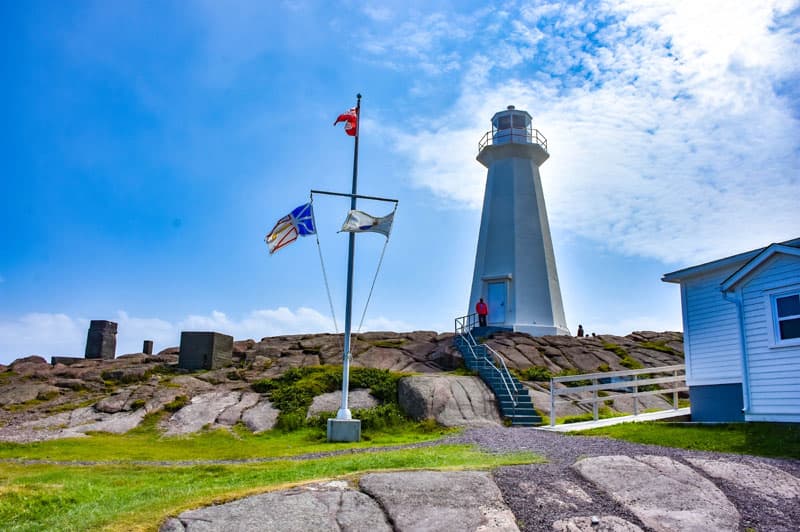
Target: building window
787, 315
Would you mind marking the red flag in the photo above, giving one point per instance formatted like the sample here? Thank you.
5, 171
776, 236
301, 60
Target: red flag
350, 119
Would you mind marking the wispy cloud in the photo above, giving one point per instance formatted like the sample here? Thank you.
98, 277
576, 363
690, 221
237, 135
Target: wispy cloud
667, 134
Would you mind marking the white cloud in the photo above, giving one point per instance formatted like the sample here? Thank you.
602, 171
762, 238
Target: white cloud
667, 137
42, 334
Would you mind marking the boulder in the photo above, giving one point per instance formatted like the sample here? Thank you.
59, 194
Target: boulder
231, 415
24, 391
450, 400
759, 478
664, 494
260, 417
440, 500
114, 403
201, 412
324, 507
331, 402
31, 366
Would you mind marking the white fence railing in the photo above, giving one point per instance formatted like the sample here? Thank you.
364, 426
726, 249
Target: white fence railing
629, 382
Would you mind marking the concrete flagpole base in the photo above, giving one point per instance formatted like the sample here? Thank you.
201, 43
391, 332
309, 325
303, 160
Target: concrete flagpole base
344, 430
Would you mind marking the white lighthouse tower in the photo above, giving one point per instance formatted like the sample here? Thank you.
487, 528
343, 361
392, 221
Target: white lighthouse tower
515, 269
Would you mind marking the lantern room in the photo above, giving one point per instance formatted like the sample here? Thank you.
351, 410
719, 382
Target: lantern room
511, 126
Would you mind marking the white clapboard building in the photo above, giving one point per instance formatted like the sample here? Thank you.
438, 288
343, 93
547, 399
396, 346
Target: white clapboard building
741, 322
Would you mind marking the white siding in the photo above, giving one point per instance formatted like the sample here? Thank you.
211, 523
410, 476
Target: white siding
711, 325
774, 372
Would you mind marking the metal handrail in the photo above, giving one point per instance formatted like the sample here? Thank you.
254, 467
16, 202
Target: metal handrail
530, 136
463, 326
596, 387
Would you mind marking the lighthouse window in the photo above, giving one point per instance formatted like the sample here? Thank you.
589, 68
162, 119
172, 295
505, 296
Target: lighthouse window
504, 122
520, 121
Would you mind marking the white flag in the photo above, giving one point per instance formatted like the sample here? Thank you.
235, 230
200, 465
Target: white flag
359, 222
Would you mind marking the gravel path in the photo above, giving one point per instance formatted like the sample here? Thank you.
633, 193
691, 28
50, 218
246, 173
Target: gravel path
529, 490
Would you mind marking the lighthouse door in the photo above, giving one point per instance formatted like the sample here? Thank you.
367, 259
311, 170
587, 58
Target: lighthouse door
497, 302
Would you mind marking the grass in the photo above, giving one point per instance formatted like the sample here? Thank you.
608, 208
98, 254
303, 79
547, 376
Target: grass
120, 492
146, 444
759, 439
127, 497
533, 373
661, 346
602, 413
625, 359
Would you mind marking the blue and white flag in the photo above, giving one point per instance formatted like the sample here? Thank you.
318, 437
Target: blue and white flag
299, 222
360, 222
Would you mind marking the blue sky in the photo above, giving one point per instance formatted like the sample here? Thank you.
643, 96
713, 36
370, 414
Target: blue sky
148, 148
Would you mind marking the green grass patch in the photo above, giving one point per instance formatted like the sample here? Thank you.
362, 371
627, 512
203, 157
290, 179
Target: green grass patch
759, 439
125, 497
464, 372
389, 343
661, 346
602, 413
533, 373
145, 443
625, 359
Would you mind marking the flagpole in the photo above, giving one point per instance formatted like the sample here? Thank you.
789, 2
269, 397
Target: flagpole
344, 411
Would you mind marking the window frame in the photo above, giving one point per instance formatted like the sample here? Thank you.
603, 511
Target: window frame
772, 297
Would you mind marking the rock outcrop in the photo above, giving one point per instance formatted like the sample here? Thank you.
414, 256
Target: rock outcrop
663, 493
120, 392
451, 401
406, 501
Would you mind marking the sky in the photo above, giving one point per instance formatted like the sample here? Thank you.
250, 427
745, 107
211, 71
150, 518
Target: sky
148, 147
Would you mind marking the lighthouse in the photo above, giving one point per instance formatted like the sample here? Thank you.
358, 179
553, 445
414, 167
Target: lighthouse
515, 268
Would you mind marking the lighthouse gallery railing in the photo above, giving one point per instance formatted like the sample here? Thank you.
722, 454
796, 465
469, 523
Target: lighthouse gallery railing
528, 135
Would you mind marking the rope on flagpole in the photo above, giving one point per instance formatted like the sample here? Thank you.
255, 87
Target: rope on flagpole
324, 273
375, 278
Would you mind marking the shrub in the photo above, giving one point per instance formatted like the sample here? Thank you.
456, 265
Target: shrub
177, 403
631, 363
294, 391
535, 373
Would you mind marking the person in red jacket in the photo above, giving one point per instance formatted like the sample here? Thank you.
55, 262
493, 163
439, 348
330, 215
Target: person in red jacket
482, 311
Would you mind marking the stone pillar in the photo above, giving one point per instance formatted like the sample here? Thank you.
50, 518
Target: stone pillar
147, 347
205, 350
102, 340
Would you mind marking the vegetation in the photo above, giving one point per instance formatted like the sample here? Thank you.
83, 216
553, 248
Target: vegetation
661, 346
177, 403
625, 359
760, 439
389, 343
534, 373
293, 392
136, 497
602, 413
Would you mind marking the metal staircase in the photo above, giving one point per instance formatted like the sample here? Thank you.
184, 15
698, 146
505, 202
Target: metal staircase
512, 397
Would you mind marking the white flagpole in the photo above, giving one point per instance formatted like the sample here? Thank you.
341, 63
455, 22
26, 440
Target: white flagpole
344, 411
